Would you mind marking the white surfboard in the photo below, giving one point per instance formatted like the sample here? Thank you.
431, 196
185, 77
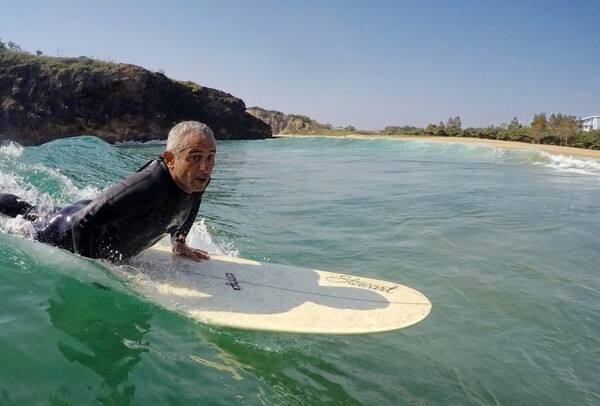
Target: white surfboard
245, 294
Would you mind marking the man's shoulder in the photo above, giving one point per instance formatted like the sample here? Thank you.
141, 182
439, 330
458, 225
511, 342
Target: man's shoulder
154, 171
145, 184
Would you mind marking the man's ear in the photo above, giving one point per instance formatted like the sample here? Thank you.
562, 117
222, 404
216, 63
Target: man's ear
169, 158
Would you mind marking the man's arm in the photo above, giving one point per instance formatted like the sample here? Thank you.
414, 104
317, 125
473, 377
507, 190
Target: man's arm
179, 247
83, 242
178, 244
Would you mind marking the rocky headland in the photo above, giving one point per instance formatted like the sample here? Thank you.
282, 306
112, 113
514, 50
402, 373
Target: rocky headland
281, 123
44, 98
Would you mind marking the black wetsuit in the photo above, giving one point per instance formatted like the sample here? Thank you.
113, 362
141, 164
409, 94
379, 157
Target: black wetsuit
122, 221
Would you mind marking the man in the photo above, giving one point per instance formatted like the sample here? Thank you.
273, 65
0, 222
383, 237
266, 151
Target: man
163, 197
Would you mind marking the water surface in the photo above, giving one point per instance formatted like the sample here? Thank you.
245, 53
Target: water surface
505, 244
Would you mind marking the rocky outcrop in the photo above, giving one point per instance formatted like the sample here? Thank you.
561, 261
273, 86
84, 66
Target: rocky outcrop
281, 123
43, 98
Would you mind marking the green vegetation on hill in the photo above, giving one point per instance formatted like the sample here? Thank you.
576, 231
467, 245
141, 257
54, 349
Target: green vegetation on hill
282, 123
13, 54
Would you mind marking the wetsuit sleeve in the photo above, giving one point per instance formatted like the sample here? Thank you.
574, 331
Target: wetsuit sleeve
189, 222
82, 238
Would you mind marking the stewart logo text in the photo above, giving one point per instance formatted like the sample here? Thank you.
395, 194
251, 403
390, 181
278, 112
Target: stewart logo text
232, 281
353, 281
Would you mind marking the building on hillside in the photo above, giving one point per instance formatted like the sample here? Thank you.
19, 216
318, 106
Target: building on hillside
590, 123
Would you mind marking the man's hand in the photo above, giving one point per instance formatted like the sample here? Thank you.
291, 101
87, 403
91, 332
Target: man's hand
181, 249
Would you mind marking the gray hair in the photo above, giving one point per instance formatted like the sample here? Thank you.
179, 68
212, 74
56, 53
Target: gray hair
177, 134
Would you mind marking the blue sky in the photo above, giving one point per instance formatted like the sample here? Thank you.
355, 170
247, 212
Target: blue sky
363, 63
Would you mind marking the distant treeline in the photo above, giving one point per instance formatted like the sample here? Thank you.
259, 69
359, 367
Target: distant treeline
558, 129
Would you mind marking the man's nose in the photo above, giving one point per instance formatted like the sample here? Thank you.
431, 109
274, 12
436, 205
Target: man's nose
203, 165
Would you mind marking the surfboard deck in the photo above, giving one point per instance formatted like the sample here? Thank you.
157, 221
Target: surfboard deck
246, 294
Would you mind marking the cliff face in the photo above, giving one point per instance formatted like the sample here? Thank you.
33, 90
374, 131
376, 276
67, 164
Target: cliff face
46, 98
281, 123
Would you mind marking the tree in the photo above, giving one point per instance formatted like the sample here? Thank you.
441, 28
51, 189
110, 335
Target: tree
514, 124
10, 46
539, 126
453, 126
436, 130
455, 123
404, 130
13, 47
430, 129
563, 127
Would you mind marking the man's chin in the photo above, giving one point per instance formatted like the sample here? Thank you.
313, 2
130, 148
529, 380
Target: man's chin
200, 185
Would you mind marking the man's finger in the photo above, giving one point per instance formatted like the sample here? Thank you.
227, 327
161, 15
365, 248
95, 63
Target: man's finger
202, 254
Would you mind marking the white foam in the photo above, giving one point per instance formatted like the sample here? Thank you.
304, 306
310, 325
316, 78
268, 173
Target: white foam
570, 164
199, 237
17, 226
11, 149
71, 191
562, 163
12, 183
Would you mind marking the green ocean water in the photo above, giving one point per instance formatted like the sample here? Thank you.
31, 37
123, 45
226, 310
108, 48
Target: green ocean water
505, 244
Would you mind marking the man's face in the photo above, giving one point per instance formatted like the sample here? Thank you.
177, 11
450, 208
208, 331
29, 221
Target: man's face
192, 166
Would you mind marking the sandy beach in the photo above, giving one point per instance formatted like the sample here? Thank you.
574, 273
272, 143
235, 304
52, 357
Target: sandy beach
551, 149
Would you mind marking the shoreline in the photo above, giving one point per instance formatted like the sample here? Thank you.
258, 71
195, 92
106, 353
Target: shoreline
511, 145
